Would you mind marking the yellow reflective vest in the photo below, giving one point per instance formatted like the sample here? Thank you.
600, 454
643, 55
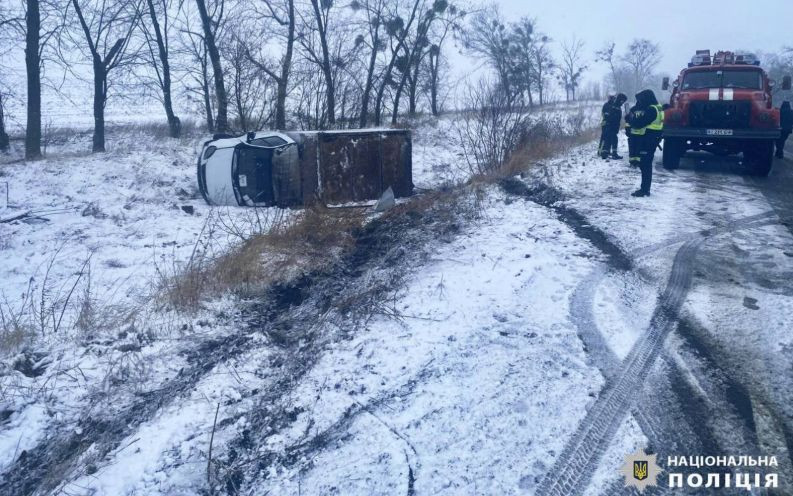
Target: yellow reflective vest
656, 125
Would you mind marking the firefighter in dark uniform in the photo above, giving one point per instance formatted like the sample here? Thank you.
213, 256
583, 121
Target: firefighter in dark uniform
646, 121
786, 123
612, 127
603, 111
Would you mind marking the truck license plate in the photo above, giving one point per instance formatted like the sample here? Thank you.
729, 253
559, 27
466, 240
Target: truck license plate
719, 132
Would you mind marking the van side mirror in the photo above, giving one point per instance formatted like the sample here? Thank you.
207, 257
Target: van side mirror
786, 83
665, 84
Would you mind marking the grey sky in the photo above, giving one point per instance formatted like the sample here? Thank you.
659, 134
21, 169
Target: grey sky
679, 26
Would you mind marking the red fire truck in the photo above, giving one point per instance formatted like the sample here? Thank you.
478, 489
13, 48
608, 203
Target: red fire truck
722, 104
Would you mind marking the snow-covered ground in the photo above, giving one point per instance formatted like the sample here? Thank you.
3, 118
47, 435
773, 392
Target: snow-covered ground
472, 382
80, 275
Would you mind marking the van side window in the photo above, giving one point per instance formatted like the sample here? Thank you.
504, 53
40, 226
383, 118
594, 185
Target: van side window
269, 141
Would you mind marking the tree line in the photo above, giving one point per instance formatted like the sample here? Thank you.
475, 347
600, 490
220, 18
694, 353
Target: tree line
246, 63
249, 64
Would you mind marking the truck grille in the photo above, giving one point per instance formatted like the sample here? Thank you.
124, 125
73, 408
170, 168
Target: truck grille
723, 115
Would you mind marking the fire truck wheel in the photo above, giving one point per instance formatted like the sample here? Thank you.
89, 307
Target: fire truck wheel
759, 157
673, 151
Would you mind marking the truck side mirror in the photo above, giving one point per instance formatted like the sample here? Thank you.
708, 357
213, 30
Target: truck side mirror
786, 83
665, 84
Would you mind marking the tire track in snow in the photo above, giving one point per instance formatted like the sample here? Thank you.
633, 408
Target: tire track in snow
572, 469
583, 296
579, 459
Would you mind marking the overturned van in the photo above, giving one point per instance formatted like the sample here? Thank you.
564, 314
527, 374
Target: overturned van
294, 168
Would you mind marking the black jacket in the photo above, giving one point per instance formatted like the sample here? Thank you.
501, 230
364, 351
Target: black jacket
612, 117
643, 114
605, 109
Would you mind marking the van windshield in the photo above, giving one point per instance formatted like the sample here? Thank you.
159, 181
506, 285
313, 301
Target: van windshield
752, 80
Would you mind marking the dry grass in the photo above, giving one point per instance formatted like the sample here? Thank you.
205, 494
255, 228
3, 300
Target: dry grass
536, 149
315, 238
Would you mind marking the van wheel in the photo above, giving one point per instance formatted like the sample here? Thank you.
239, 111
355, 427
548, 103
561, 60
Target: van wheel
759, 157
673, 152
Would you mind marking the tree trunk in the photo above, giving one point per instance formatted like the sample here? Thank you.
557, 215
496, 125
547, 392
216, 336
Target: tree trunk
528, 90
221, 122
286, 67
434, 69
327, 71
174, 124
4, 141
363, 121
100, 78
33, 68
395, 113
241, 113
343, 106
207, 97
412, 90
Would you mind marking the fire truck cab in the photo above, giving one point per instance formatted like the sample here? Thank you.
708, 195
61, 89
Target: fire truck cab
722, 104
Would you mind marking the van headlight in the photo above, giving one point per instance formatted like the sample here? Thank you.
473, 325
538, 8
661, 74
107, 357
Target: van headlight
209, 151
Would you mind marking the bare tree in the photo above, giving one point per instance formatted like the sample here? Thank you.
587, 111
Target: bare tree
283, 15
373, 12
488, 38
492, 127
9, 26
542, 66
522, 43
397, 30
415, 51
642, 57
321, 13
209, 24
608, 56
436, 77
38, 28
196, 65
158, 44
250, 92
571, 69
33, 69
107, 29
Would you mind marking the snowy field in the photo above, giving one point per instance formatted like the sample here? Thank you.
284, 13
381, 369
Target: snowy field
478, 359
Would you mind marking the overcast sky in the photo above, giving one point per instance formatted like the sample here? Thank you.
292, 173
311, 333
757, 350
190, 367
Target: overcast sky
679, 26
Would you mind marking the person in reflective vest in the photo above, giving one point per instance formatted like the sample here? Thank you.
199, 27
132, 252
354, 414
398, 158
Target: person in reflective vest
646, 121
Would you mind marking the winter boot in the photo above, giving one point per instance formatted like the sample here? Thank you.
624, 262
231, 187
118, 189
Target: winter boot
640, 193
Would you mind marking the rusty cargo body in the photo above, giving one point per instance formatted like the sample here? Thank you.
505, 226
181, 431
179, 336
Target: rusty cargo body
269, 168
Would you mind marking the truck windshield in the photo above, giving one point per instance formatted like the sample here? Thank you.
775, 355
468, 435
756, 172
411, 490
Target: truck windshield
752, 80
